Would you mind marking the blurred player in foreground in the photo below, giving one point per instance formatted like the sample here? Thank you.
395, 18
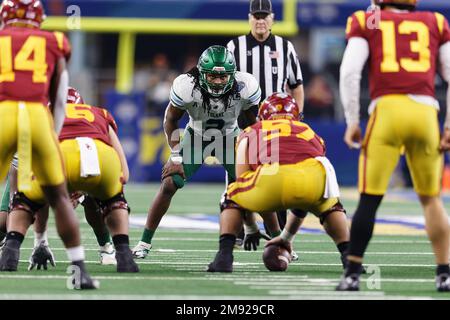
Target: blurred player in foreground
33, 73
94, 162
403, 48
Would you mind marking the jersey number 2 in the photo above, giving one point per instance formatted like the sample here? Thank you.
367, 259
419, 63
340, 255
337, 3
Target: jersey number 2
31, 57
421, 46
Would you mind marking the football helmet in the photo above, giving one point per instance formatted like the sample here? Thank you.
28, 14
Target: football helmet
411, 3
28, 12
279, 106
216, 60
74, 97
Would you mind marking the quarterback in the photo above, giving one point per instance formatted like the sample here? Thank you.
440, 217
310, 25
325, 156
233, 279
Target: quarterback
404, 49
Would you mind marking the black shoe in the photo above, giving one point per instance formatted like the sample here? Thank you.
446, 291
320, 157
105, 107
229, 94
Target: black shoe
222, 263
84, 282
443, 282
349, 283
125, 262
9, 259
344, 264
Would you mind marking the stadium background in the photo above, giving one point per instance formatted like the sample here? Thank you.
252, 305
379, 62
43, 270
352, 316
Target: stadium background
126, 53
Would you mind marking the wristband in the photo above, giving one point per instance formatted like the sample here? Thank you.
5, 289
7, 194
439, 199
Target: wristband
176, 158
250, 229
286, 236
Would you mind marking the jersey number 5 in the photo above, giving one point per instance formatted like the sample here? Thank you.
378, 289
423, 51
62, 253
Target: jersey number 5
79, 112
421, 46
31, 57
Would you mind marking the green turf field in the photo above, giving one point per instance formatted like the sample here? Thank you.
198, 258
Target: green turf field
175, 267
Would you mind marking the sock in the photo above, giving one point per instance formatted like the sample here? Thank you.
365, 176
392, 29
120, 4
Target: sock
363, 223
342, 247
442, 268
353, 268
15, 236
147, 235
226, 243
121, 240
39, 237
75, 254
103, 238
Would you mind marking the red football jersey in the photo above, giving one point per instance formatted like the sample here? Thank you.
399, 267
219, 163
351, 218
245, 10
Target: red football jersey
83, 120
27, 61
403, 49
296, 142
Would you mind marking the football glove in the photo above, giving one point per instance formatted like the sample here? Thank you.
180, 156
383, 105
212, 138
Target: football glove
251, 240
40, 256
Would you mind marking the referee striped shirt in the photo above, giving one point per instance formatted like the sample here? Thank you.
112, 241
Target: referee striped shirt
274, 62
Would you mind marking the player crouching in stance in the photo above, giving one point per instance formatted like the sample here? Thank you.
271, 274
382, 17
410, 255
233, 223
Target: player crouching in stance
281, 164
94, 162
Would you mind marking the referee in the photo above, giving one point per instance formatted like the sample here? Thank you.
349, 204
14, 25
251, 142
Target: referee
271, 59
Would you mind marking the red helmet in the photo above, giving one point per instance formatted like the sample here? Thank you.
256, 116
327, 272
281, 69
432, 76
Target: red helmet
279, 106
29, 12
74, 97
411, 3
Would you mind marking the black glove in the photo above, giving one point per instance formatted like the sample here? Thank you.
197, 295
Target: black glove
40, 256
251, 240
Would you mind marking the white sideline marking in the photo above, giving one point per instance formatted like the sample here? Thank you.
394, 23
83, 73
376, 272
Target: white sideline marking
175, 263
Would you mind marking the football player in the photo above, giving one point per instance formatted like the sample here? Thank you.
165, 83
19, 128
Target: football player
33, 73
281, 164
95, 163
213, 94
403, 47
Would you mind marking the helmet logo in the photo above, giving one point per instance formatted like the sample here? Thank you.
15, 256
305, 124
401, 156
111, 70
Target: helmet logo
20, 13
279, 107
219, 69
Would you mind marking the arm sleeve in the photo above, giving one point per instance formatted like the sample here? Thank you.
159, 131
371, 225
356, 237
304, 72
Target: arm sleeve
355, 57
444, 59
178, 92
295, 77
254, 92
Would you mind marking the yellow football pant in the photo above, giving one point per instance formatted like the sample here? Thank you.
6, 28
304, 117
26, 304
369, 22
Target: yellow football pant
275, 187
399, 122
37, 135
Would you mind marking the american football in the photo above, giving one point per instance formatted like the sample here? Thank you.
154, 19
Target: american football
276, 258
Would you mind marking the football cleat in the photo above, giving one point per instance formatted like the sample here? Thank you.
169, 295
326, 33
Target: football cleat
40, 256
142, 250
349, 283
294, 256
107, 254
2, 244
83, 281
443, 282
222, 263
125, 262
9, 259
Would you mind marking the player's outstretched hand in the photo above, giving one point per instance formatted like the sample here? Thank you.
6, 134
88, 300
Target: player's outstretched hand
171, 168
280, 242
353, 136
445, 140
251, 240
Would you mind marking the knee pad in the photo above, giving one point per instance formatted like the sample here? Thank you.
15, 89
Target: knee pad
116, 202
337, 207
21, 202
